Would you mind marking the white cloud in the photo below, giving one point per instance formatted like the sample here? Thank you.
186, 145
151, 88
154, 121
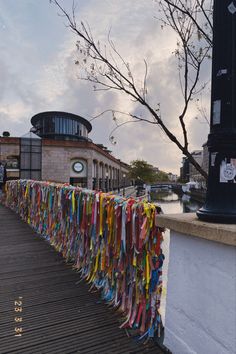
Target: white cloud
38, 73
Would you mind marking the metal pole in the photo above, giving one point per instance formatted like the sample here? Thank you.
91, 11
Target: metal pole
124, 175
220, 203
106, 182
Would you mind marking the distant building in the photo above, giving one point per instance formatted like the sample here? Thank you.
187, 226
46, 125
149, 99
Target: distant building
189, 173
205, 158
194, 175
184, 170
58, 149
172, 177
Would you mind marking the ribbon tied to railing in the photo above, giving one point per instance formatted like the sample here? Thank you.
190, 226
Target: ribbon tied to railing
114, 242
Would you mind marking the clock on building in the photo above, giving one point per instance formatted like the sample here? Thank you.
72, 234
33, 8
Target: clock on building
78, 167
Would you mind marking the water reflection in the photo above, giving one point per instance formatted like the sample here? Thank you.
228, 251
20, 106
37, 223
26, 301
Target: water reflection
171, 202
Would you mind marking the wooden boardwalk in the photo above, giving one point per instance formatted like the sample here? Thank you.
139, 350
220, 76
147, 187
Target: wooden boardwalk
59, 315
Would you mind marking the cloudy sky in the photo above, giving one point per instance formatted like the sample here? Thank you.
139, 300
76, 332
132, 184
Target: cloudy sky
37, 73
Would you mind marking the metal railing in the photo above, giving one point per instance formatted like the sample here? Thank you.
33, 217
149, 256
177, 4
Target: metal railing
113, 241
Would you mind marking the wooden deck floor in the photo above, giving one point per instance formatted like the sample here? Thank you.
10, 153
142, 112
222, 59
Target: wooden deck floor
59, 315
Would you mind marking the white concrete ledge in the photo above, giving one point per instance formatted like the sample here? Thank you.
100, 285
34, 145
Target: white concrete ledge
190, 225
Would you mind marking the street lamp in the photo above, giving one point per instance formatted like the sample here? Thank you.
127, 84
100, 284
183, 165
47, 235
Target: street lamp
106, 182
124, 175
220, 203
94, 183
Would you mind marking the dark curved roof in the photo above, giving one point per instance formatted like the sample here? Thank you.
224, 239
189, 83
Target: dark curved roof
82, 120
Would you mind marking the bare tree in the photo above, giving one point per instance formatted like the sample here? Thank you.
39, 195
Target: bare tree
107, 70
192, 21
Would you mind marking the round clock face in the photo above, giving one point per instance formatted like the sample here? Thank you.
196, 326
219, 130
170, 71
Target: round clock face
78, 167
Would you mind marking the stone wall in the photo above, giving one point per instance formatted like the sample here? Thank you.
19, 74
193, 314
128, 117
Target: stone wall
55, 164
9, 147
201, 291
57, 157
201, 296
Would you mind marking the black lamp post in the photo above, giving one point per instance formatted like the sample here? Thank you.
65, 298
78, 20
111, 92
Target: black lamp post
100, 183
106, 182
118, 182
94, 183
220, 203
124, 175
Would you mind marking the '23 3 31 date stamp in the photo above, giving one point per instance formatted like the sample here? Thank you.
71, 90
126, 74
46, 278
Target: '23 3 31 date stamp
18, 312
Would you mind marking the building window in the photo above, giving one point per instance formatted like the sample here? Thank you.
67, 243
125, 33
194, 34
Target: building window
30, 158
78, 181
54, 124
12, 162
57, 125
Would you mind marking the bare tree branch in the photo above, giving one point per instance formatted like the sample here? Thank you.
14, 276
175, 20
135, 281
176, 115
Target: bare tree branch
108, 70
190, 8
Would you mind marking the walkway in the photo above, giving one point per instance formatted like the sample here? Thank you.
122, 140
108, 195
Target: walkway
59, 315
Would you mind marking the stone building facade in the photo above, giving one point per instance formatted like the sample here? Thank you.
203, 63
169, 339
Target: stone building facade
100, 169
58, 149
9, 155
194, 175
205, 158
188, 173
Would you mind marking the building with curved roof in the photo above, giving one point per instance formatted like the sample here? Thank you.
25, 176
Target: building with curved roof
61, 126
58, 149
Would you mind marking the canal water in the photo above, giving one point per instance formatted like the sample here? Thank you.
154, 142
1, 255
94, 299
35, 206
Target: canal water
171, 203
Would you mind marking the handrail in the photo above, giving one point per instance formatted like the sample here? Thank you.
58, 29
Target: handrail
113, 241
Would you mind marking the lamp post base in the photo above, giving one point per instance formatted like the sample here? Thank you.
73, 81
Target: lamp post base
220, 204
216, 216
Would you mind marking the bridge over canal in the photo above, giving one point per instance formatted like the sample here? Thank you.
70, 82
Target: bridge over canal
59, 314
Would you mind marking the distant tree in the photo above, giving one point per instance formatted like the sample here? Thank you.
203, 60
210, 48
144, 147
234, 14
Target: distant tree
106, 69
141, 170
162, 176
6, 134
181, 180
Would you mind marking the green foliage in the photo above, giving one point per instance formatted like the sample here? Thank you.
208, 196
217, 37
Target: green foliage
162, 176
141, 170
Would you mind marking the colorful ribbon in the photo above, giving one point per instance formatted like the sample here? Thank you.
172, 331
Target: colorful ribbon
114, 243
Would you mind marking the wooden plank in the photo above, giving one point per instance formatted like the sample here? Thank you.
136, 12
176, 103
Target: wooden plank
59, 313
